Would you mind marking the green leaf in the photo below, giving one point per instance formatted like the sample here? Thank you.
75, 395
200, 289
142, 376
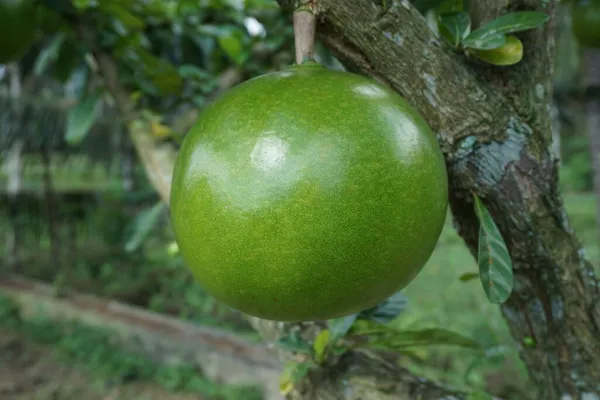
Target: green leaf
49, 54
231, 43
386, 311
339, 327
68, 59
142, 225
469, 276
320, 346
495, 266
293, 342
385, 337
127, 18
292, 373
454, 26
81, 118
484, 43
507, 23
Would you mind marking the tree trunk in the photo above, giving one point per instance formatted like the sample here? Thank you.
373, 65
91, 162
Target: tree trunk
592, 83
494, 127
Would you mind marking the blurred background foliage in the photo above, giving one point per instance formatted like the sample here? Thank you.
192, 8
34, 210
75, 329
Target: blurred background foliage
85, 216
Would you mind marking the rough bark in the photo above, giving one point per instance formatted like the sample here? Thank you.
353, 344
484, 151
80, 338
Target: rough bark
493, 126
592, 78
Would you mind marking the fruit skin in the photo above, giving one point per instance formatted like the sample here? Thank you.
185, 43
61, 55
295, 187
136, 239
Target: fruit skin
308, 194
17, 29
585, 21
509, 54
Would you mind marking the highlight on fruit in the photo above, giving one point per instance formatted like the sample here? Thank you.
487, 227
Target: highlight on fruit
308, 194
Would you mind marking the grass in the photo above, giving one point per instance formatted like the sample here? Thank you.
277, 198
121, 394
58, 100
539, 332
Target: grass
92, 350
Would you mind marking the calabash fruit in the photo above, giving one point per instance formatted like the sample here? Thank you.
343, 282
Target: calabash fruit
308, 194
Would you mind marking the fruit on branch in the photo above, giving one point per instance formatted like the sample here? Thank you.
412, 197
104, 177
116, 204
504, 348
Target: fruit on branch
308, 194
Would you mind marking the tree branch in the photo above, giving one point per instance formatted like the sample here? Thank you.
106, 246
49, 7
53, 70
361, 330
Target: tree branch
397, 48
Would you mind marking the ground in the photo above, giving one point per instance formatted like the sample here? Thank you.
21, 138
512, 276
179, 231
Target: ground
29, 371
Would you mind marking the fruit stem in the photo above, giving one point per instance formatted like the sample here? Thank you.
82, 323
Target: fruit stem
305, 27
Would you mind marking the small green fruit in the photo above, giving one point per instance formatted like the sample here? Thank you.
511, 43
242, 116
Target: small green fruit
18, 25
509, 54
585, 22
308, 194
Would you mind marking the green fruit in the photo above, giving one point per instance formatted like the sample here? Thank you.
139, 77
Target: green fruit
17, 29
308, 194
585, 21
508, 54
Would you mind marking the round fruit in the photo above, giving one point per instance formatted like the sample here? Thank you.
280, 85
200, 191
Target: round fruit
308, 194
17, 29
586, 22
509, 54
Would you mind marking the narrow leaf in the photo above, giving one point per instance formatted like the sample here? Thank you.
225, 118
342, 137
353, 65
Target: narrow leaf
454, 26
48, 55
495, 266
387, 310
81, 118
509, 23
320, 346
293, 342
142, 225
232, 44
339, 327
426, 337
385, 337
